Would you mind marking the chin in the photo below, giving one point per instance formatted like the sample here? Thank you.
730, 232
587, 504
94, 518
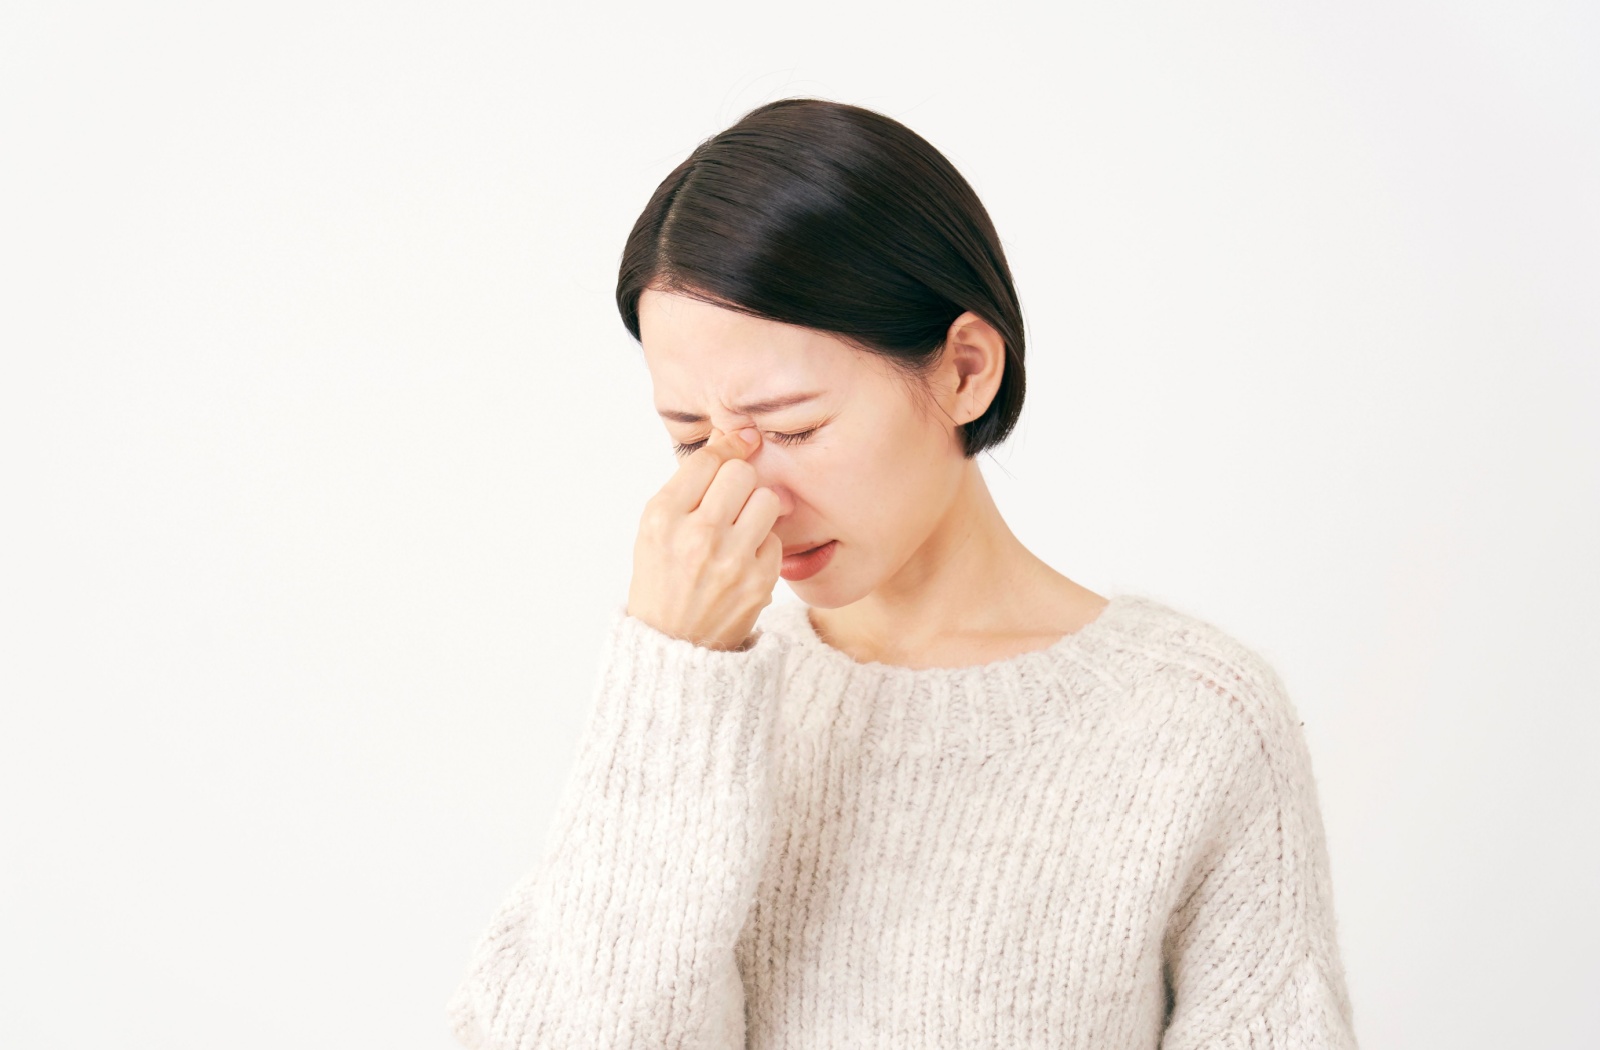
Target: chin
827, 591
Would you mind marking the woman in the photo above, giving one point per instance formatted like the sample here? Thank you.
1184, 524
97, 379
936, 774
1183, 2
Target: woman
950, 799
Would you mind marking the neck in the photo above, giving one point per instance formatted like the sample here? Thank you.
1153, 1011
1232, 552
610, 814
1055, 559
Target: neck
971, 581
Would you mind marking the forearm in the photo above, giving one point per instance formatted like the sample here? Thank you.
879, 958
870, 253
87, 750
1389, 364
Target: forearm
623, 934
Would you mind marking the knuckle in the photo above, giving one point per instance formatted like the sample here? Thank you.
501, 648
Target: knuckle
653, 519
698, 540
726, 568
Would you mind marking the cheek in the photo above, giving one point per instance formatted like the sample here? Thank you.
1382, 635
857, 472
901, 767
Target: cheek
857, 493
861, 482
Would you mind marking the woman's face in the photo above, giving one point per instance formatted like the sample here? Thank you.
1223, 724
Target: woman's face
865, 461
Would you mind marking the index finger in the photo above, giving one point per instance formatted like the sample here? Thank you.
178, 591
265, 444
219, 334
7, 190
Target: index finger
684, 490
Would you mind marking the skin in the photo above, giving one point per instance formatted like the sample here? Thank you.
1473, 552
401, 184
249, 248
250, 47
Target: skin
926, 572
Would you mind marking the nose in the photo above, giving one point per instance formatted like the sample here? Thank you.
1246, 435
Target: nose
731, 428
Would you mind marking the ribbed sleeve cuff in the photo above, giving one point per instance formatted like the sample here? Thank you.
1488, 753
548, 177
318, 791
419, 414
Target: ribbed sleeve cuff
666, 709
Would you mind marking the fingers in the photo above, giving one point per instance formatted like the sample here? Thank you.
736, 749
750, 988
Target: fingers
724, 499
687, 488
770, 557
752, 530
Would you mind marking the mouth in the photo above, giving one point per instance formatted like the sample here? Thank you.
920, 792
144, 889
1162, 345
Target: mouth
789, 552
806, 563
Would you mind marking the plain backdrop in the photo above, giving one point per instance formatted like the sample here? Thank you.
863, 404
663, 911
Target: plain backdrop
323, 448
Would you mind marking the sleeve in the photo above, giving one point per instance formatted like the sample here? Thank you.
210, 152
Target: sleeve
1251, 953
623, 933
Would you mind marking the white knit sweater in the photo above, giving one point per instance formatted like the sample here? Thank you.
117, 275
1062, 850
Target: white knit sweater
1114, 842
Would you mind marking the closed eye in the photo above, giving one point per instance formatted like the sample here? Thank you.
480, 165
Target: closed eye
782, 439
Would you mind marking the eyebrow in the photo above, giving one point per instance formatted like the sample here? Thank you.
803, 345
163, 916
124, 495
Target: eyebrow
754, 408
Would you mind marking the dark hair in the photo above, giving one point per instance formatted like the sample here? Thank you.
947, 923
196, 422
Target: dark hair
839, 219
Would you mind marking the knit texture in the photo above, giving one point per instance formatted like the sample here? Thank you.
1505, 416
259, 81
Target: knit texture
1112, 842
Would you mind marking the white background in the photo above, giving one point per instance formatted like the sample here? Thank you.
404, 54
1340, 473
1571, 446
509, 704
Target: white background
323, 447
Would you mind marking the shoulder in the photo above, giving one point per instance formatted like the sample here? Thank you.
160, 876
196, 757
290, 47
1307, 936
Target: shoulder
1190, 669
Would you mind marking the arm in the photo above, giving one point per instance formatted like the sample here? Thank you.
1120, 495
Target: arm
623, 934
1251, 953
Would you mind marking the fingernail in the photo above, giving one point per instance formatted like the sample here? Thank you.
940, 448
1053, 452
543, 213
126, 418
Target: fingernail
750, 436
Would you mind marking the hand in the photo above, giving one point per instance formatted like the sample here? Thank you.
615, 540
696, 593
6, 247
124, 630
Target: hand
706, 560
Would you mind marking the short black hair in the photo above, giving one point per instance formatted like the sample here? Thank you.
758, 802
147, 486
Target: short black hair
839, 219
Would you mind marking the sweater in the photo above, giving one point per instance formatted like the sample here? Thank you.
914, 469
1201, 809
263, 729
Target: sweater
1113, 842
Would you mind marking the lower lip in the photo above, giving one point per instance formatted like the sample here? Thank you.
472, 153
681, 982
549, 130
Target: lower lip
808, 564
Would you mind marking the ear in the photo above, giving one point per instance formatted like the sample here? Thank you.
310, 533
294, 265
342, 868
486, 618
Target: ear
971, 367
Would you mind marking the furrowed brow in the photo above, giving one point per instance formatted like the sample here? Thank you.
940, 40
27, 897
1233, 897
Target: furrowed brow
754, 408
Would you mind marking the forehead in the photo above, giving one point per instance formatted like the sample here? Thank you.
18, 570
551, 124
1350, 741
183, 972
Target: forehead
697, 351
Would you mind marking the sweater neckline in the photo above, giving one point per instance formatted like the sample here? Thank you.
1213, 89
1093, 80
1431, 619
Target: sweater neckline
977, 709
795, 620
